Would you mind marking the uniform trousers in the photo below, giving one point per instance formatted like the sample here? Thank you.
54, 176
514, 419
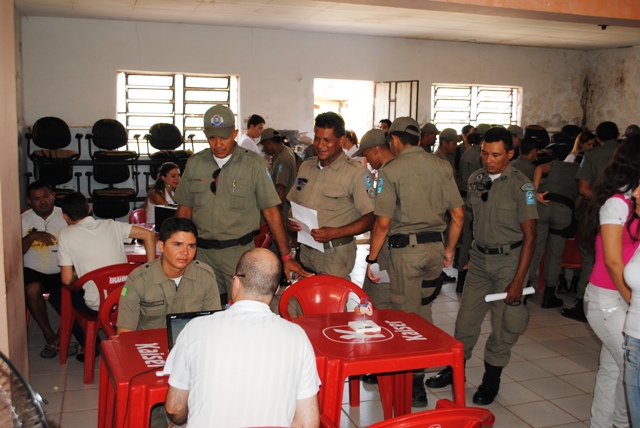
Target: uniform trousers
490, 274
466, 239
337, 261
551, 216
606, 311
380, 292
223, 262
409, 267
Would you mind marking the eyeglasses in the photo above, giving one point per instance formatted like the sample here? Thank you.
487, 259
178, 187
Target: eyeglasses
214, 183
487, 186
239, 275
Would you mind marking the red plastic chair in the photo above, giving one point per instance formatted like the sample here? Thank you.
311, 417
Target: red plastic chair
264, 228
106, 279
262, 241
108, 313
138, 216
570, 259
322, 294
447, 414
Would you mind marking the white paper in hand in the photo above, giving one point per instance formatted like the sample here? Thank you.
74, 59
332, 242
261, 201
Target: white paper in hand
307, 219
383, 274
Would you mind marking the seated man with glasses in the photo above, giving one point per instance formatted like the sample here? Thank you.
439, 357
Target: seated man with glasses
245, 366
224, 189
174, 283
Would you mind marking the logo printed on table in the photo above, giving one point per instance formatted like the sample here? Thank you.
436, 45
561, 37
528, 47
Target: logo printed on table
151, 355
344, 334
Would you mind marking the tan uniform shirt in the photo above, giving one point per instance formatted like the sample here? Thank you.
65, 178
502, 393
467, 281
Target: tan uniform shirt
595, 161
149, 295
415, 189
469, 162
341, 192
509, 202
244, 189
525, 166
444, 157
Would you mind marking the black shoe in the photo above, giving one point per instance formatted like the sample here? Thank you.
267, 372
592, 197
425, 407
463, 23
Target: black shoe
484, 396
442, 379
447, 278
562, 287
371, 379
549, 299
575, 313
574, 283
418, 393
80, 356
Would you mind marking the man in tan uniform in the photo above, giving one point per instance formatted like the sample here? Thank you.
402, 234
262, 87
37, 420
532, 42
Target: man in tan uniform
415, 191
504, 230
223, 190
342, 192
448, 140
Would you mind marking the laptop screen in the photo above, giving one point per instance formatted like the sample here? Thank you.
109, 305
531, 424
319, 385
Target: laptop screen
162, 213
176, 322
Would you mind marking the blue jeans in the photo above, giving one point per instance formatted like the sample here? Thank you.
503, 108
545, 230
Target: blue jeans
632, 377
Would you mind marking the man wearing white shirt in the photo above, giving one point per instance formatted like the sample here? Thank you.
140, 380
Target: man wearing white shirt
266, 378
255, 126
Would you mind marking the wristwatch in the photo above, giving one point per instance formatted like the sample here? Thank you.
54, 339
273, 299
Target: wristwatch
369, 261
290, 256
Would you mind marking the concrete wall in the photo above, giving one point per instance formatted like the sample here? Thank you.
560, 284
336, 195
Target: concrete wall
70, 67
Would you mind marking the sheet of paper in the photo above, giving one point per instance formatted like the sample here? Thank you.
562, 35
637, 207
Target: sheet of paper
383, 274
500, 296
307, 219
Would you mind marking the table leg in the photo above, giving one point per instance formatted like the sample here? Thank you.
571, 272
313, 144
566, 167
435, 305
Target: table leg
103, 408
386, 387
458, 375
332, 395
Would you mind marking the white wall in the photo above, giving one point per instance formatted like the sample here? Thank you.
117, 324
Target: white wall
70, 67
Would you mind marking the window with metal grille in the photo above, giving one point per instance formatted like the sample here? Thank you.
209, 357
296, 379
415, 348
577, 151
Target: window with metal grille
395, 99
145, 99
455, 106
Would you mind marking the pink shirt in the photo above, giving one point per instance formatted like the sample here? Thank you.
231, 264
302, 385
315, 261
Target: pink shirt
599, 275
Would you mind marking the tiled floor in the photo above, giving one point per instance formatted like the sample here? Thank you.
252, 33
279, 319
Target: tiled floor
548, 383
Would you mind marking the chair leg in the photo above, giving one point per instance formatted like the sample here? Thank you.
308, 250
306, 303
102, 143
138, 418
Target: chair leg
66, 323
91, 334
354, 391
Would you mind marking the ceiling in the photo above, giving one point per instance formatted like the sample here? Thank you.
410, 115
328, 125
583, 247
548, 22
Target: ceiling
450, 20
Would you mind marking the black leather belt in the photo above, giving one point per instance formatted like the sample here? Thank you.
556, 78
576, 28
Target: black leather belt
498, 250
554, 197
214, 244
401, 241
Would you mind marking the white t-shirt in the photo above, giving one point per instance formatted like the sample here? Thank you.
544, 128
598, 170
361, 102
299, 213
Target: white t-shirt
39, 257
150, 209
250, 144
243, 367
615, 211
632, 278
92, 244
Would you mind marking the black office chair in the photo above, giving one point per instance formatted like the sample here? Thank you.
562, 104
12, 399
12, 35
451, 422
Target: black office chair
167, 140
53, 162
111, 166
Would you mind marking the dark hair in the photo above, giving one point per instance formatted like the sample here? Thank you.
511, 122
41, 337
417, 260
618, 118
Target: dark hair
607, 131
262, 271
466, 129
406, 138
37, 185
351, 135
75, 206
499, 133
331, 120
527, 145
176, 224
621, 175
474, 138
387, 121
582, 138
254, 120
159, 185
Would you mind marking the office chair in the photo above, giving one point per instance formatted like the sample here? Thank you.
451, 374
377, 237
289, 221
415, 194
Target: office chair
111, 166
166, 139
108, 313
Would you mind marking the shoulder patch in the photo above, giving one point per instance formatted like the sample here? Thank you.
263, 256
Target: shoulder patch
529, 196
479, 178
527, 187
368, 181
279, 168
124, 292
267, 170
380, 185
371, 192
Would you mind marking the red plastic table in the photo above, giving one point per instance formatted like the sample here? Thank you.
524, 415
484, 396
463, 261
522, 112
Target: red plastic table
137, 254
406, 343
128, 363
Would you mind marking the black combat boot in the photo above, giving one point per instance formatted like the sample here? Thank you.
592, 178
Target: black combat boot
418, 393
490, 385
462, 274
575, 313
549, 299
562, 287
442, 379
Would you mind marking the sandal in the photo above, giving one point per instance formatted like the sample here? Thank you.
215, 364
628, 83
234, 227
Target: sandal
49, 351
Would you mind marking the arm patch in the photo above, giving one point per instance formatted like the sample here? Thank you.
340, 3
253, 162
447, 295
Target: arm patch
527, 187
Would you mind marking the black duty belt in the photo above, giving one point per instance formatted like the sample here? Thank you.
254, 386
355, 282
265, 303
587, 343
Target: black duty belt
554, 197
214, 244
463, 193
498, 250
336, 242
401, 241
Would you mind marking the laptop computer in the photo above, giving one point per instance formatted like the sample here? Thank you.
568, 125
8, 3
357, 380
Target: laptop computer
177, 322
164, 212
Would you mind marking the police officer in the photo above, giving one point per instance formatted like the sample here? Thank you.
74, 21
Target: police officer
591, 168
448, 140
504, 230
556, 196
528, 155
223, 190
341, 190
283, 166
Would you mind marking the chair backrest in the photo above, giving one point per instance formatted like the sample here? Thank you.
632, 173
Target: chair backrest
319, 294
51, 133
109, 134
442, 417
262, 241
109, 312
165, 136
107, 278
138, 216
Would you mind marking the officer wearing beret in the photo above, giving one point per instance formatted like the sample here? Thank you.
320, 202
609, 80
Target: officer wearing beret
223, 190
504, 229
341, 190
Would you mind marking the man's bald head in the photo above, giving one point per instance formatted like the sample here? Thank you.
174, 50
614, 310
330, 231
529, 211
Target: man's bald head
259, 271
